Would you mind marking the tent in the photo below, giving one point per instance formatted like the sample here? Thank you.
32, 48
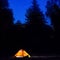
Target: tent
22, 53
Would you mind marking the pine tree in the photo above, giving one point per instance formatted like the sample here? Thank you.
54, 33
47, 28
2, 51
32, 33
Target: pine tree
34, 16
18, 25
53, 11
6, 15
6, 22
3, 4
34, 23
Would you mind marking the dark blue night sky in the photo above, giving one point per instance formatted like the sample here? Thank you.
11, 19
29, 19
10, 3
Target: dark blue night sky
19, 8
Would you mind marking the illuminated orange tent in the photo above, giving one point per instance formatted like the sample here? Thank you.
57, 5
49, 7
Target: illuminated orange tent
22, 53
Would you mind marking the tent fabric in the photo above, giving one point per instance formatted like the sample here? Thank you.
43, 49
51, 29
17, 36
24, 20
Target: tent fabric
21, 53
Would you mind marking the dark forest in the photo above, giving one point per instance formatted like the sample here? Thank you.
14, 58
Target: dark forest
34, 35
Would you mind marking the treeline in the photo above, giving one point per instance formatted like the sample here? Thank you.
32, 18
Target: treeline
34, 33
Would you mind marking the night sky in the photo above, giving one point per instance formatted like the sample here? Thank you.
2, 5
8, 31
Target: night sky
19, 8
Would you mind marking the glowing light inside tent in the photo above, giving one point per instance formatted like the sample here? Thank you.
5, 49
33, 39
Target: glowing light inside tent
22, 53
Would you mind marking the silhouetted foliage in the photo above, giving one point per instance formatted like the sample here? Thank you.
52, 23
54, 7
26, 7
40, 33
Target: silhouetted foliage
6, 22
34, 18
6, 15
53, 11
34, 34
6, 18
18, 26
3, 4
34, 22
36, 29
34, 15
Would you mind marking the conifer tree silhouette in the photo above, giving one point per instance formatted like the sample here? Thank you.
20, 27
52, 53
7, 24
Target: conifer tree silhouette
3, 4
6, 22
35, 23
18, 25
6, 15
53, 11
34, 17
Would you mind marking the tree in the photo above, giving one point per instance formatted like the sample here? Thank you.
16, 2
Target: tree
34, 16
18, 22
18, 25
6, 22
3, 4
36, 29
53, 11
6, 15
